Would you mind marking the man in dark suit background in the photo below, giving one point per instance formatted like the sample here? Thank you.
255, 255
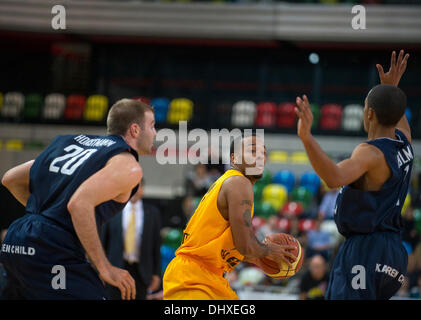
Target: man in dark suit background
132, 241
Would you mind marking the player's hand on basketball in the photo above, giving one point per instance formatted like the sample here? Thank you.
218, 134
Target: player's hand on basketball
396, 70
305, 117
280, 253
121, 279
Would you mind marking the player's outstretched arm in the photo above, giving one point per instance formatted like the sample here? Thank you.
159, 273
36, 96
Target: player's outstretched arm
238, 193
16, 180
113, 182
335, 175
393, 77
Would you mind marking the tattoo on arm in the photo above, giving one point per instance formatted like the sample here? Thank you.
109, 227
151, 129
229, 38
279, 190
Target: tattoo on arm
247, 202
248, 223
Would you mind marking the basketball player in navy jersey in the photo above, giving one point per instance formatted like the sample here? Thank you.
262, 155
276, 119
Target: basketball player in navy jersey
371, 263
76, 184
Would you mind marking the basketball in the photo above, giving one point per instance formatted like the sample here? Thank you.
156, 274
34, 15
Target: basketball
271, 268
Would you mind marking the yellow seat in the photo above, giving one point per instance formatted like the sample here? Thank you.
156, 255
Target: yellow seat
278, 157
180, 109
299, 158
14, 145
96, 108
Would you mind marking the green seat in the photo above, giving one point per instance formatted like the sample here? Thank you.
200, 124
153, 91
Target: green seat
173, 238
32, 107
263, 209
315, 108
302, 195
258, 190
266, 177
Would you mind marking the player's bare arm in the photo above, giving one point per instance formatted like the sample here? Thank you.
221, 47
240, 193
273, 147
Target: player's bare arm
393, 77
16, 180
237, 193
363, 159
113, 182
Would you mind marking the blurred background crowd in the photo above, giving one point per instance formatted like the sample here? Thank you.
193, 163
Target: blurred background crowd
215, 64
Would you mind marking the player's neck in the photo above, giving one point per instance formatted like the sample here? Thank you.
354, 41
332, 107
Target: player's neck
381, 132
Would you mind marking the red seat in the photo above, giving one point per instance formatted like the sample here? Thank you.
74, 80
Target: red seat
266, 114
305, 225
143, 99
74, 107
287, 118
331, 117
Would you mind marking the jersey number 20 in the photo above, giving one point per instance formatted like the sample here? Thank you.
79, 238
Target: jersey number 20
76, 158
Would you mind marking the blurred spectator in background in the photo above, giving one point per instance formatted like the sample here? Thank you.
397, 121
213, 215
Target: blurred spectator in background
314, 282
319, 241
328, 204
415, 292
198, 181
132, 241
410, 237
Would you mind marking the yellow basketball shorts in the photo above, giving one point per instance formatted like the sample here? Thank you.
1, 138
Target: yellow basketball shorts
188, 279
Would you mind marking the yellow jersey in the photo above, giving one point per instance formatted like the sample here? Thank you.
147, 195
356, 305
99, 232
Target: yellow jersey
208, 237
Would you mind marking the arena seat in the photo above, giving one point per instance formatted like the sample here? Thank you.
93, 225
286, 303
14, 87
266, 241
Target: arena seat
96, 108
243, 113
278, 156
32, 107
311, 181
13, 105
180, 109
258, 222
14, 145
160, 106
287, 118
284, 225
305, 225
143, 99
331, 116
266, 114
258, 190
285, 178
315, 109
292, 209
276, 195
302, 195
299, 158
263, 209
408, 113
75, 105
353, 117
54, 105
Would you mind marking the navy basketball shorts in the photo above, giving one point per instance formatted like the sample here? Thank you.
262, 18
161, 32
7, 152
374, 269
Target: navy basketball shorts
44, 261
368, 267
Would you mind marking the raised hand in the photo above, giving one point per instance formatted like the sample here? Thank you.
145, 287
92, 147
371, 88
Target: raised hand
396, 70
305, 116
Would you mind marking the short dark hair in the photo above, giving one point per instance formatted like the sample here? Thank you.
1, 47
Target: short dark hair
124, 113
388, 103
240, 138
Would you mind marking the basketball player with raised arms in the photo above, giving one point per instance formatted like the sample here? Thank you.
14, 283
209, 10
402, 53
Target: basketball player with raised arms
220, 235
76, 184
374, 182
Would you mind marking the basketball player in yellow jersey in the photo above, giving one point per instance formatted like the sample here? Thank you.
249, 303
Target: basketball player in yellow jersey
220, 235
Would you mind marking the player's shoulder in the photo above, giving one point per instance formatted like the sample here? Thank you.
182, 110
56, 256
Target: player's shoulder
237, 183
125, 161
368, 152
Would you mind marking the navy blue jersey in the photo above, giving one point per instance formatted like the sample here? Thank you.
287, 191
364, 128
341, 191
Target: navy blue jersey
63, 166
364, 212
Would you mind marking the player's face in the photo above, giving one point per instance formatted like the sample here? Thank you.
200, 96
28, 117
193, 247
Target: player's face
254, 157
147, 135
